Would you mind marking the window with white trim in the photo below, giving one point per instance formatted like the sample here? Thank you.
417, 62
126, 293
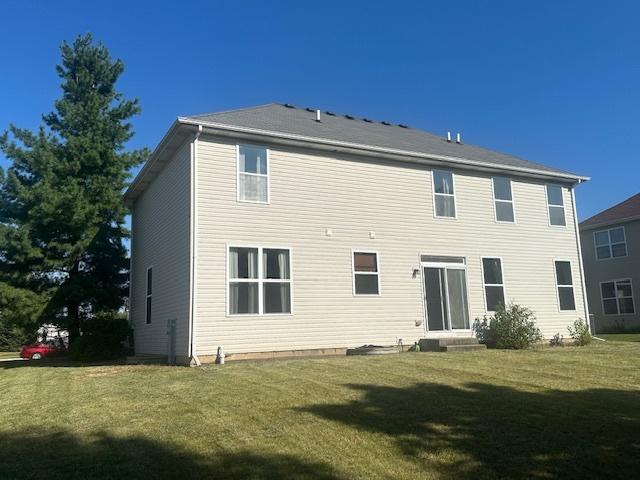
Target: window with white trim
259, 280
564, 283
617, 297
444, 194
503, 200
610, 243
366, 276
493, 283
149, 297
253, 174
555, 205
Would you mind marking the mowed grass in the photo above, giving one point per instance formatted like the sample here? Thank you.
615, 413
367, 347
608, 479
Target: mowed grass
621, 337
4, 355
551, 413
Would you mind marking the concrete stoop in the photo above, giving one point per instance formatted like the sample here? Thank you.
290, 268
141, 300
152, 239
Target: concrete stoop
450, 344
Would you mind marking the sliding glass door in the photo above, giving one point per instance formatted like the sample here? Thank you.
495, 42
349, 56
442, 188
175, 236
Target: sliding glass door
446, 298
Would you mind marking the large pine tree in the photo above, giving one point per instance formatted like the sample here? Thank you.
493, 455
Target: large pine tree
61, 212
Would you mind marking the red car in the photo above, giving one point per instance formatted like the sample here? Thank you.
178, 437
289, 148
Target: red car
38, 351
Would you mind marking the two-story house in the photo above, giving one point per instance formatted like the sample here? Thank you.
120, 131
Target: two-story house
611, 257
284, 229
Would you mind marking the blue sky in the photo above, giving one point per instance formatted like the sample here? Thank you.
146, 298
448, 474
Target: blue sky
556, 82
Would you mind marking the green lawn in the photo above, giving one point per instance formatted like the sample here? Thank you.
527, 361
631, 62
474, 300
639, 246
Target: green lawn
621, 337
560, 413
9, 355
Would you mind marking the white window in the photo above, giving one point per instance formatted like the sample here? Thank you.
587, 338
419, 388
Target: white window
610, 243
493, 283
259, 280
253, 174
564, 283
444, 194
503, 200
366, 275
149, 295
555, 205
617, 297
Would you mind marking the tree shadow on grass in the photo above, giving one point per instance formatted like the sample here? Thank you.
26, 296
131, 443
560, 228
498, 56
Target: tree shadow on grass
62, 455
486, 431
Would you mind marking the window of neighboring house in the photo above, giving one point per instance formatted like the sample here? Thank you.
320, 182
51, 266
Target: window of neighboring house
253, 174
149, 295
503, 199
610, 243
564, 283
617, 297
259, 281
493, 283
555, 205
366, 276
444, 194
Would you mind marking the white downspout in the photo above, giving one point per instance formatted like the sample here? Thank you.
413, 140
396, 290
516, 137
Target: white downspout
193, 357
582, 280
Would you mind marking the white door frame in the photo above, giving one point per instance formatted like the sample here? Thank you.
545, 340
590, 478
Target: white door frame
446, 266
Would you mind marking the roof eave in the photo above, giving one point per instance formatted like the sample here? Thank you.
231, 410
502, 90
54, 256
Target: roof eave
607, 223
382, 151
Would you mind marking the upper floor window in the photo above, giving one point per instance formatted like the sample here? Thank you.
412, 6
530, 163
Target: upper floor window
503, 199
149, 295
444, 194
617, 297
366, 277
555, 205
564, 283
259, 280
253, 174
610, 243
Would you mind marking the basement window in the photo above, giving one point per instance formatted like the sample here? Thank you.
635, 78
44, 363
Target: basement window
253, 174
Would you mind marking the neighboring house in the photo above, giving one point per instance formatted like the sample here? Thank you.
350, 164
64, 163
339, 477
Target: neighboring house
611, 256
281, 229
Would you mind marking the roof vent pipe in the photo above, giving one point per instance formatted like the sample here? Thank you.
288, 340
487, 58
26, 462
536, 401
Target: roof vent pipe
448, 136
317, 115
458, 138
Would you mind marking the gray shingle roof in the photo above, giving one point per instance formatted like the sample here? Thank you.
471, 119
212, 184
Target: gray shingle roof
288, 120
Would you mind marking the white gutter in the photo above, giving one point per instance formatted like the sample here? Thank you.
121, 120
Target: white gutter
383, 150
582, 279
193, 357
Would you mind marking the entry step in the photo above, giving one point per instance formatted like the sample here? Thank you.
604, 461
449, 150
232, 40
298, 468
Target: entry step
450, 344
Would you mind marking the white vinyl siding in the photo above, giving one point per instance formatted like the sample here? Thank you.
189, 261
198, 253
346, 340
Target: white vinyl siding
503, 200
610, 243
312, 192
617, 297
555, 205
160, 238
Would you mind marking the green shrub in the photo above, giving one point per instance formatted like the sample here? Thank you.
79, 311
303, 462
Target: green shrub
12, 338
102, 338
557, 340
580, 333
511, 327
